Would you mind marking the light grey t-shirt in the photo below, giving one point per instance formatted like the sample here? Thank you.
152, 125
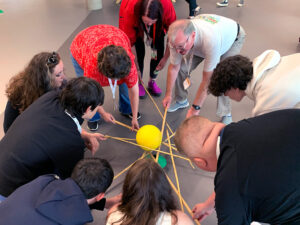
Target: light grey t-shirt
214, 37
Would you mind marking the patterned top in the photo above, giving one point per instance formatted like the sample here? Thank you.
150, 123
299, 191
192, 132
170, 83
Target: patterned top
87, 44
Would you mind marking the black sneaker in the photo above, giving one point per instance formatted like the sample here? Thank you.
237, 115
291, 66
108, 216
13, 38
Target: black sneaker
130, 115
93, 126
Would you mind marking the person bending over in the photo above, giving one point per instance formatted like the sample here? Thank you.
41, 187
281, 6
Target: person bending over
270, 81
49, 199
103, 52
153, 18
147, 198
47, 136
44, 72
257, 166
207, 37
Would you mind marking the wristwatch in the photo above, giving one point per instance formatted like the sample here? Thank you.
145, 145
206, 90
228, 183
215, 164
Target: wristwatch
196, 107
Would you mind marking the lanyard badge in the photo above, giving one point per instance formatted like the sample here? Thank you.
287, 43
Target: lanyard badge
113, 90
187, 82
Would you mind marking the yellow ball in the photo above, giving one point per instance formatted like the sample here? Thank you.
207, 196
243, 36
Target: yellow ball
149, 136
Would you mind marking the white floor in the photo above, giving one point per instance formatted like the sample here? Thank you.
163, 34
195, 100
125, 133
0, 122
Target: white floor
30, 26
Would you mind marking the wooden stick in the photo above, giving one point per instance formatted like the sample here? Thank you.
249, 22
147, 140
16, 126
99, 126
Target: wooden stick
128, 167
184, 157
175, 170
176, 192
162, 131
184, 202
124, 125
129, 139
172, 135
155, 105
150, 149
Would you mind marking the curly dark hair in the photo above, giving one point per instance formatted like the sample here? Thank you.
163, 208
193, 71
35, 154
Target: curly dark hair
114, 62
233, 72
146, 193
34, 81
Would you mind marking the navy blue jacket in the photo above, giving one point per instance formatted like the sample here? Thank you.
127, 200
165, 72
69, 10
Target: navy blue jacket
46, 200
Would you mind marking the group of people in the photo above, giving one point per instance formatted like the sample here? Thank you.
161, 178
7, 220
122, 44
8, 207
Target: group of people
42, 165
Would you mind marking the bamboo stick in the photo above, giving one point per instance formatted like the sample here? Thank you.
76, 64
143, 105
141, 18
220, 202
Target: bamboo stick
128, 167
150, 149
162, 131
184, 157
175, 170
155, 105
176, 192
124, 125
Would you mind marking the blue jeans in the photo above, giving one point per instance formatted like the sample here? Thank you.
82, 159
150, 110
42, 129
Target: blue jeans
124, 102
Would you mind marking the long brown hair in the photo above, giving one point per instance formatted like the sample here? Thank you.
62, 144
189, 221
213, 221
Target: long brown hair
146, 193
152, 9
35, 80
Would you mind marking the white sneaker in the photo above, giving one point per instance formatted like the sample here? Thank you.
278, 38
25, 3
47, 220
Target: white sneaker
197, 9
240, 5
222, 4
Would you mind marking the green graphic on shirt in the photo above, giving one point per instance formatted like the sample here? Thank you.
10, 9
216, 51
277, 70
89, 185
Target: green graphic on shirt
210, 19
1, 11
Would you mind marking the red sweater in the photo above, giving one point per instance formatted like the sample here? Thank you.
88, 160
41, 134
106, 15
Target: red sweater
129, 24
87, 44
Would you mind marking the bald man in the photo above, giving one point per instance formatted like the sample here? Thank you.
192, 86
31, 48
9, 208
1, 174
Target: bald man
257, 166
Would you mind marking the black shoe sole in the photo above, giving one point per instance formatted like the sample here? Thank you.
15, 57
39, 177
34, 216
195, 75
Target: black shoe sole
130, 115
93, 129
143, 97
154, 94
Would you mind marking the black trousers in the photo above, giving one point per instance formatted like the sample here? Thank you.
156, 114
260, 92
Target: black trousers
140, 51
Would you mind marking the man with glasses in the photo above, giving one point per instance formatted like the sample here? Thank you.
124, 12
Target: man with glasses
210, 37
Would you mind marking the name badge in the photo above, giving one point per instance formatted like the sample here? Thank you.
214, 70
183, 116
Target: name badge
186, 83
154, 54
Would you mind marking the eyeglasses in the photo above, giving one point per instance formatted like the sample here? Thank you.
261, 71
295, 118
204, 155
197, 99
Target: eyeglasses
52, 59
180, 48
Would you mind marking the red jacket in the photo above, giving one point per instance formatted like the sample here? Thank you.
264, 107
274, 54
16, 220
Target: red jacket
129, 24
87, 44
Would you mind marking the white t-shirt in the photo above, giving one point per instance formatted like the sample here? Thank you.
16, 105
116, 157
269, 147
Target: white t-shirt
214, 37
164, 218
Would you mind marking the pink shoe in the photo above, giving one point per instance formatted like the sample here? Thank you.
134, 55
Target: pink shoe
142, 92
153, 88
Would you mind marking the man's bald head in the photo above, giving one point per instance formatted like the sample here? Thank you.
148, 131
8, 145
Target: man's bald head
191, 135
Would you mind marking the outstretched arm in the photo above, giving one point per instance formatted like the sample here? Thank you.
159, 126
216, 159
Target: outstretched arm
92, 140
134, 102
204, 209
164, 59
201, 93
105, 115
172, 76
